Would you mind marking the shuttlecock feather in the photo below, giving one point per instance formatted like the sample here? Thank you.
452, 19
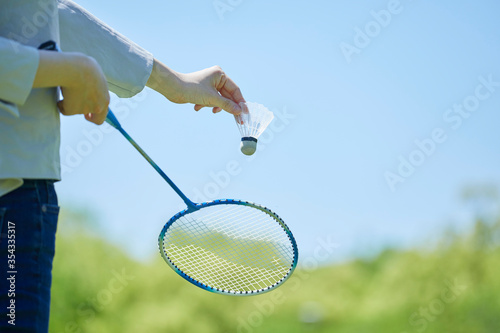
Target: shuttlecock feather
252, 121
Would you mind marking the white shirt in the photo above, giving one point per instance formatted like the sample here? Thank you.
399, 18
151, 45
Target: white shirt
29, 119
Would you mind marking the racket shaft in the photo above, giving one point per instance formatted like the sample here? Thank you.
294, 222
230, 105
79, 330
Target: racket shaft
111, 119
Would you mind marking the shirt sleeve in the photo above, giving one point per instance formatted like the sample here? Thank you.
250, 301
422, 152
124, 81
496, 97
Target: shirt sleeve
18, 66
126, 65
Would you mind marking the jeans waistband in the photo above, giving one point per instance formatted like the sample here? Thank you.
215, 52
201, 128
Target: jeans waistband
37, 182
32, 191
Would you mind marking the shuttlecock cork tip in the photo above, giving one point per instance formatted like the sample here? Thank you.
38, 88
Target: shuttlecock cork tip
248, 145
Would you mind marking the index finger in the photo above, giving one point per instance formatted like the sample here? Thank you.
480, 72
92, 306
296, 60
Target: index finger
231, 91
97, 118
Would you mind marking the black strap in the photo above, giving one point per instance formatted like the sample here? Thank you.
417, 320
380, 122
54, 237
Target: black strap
48, 45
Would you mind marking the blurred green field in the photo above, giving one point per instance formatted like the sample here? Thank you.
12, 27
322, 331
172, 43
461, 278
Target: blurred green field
453, 286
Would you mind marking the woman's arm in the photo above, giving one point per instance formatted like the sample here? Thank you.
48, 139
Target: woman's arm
209, 87
23, 68
18, 66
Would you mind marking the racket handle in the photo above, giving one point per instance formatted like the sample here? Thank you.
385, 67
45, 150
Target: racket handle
111, 119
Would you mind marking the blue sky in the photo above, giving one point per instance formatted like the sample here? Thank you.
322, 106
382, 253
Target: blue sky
342, 122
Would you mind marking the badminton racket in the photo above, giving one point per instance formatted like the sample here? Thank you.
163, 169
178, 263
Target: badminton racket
225, 246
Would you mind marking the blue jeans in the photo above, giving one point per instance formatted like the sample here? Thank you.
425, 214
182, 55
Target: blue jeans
28, 223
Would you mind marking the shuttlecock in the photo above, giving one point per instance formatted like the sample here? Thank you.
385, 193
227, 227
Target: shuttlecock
252, 121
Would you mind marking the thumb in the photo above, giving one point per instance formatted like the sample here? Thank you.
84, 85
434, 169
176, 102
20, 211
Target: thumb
228, 105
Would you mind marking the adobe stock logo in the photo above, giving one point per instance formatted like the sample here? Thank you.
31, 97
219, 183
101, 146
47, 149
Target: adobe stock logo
72, 156
425, 315
220, 179
221, 7
266, 306
90, 309
363, 37
31, 25
454, 117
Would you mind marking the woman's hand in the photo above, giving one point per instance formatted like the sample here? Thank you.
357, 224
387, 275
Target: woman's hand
82, 81
210, 87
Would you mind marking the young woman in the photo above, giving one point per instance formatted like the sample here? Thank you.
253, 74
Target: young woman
93, 59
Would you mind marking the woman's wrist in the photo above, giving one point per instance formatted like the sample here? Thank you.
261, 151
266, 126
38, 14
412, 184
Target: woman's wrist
166, 81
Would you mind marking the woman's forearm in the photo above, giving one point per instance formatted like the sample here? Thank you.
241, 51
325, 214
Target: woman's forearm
82, 81
57, 69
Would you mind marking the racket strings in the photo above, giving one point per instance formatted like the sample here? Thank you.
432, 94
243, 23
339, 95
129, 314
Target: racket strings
261, 231
230, 247
231, 276
214, 243
252, 233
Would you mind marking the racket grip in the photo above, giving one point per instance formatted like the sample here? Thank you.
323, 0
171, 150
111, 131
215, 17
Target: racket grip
111, 119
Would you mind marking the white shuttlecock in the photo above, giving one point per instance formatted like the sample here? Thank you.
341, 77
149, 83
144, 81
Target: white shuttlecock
252, 121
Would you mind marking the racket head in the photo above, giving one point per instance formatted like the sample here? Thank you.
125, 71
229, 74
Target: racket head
229, 247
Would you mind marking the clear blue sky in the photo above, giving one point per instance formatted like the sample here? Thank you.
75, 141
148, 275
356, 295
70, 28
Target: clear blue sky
346, 118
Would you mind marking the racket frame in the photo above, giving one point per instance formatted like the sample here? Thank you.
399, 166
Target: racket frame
204, 286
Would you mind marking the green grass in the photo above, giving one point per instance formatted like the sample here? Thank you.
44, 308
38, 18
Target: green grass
97, 288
